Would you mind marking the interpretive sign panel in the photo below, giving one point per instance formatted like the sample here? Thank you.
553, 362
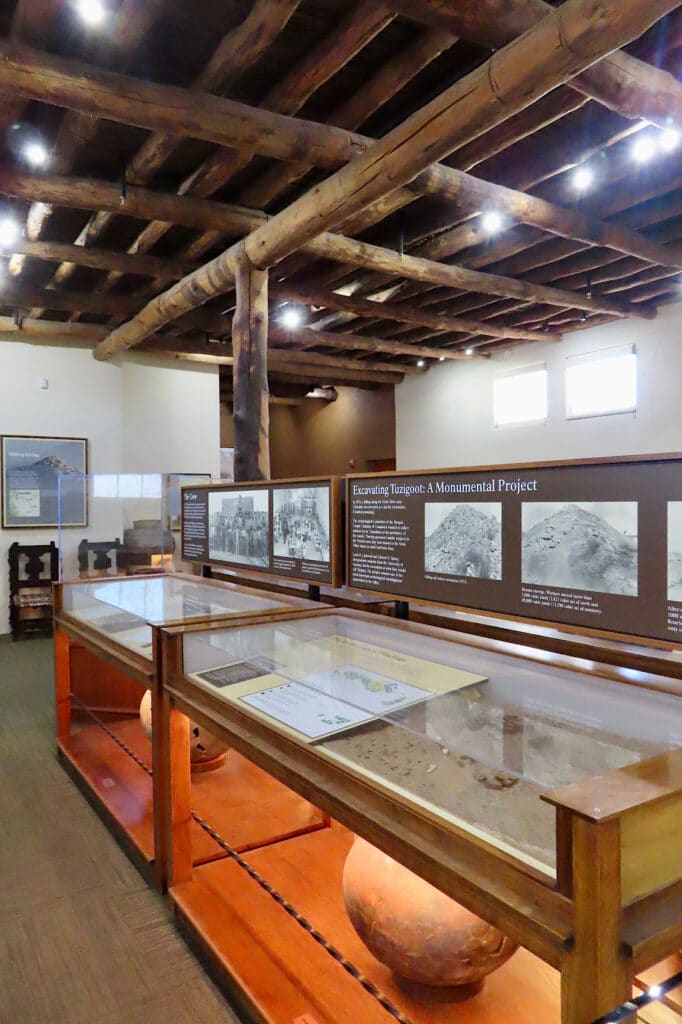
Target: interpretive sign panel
596, 544
289, 528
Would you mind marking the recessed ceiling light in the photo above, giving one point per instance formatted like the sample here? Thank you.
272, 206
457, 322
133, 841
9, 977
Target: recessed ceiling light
669, 140
468, 351
582, 179
420, 362
35, 153
441, 359
492, 222
643, 148
92, 12
291, 318
9, 231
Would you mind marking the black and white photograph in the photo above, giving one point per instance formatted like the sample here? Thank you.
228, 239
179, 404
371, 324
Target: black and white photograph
238, 527
581, 545
31, 467
675, 550
301, 523
463, 539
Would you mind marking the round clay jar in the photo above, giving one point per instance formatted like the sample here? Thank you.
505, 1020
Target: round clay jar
413, 928
206, 750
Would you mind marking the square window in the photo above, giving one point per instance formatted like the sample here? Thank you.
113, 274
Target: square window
520, 397
601, 383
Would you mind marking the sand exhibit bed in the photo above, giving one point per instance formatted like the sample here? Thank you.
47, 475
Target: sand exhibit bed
485, 766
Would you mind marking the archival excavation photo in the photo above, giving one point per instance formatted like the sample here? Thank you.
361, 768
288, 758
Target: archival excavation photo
238, 527
582, 545
675, 550
301, 523
463, 539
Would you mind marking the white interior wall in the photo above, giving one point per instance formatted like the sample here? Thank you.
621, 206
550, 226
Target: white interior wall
139, 415
444, 418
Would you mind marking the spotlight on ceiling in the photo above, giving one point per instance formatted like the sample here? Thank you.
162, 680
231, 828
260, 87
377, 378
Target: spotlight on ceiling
468, 351
441, 359
582, 179
291, 317
9, 232
92, 12
27, 145
669, 140
326, 392
420, 362
492, 222
643, 148
35, 154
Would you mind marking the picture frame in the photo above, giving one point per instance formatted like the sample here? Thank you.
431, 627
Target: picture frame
29, 469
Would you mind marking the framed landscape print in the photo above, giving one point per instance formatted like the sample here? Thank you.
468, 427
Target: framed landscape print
30, 468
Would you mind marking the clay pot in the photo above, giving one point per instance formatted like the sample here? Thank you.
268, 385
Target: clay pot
413, 928
206, 750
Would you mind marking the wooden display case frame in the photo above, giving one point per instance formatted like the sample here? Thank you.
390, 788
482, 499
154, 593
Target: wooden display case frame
614, 910
336, 522
117, 691
649, 654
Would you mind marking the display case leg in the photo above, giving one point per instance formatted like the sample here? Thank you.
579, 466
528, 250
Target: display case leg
206, 572
175, 790
313, 592
402, 610
62, 682
596, 976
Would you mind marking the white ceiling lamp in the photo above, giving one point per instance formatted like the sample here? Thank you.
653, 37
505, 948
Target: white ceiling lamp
669, 140
492, 222
291, 318
9, 232
582, 179
420, 363
92, 12
643, 148
468, 351
35, 154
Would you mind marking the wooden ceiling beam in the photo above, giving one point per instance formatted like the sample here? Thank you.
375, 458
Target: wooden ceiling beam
622, 83
287, 97
130, 24
444, 182
31, 24
92, 194
31, 331
564, 43
14, 297
238, 49
390, 311
101, 259
306, 337
40, 76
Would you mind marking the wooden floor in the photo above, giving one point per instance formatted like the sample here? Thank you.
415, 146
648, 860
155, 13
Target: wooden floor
83, 940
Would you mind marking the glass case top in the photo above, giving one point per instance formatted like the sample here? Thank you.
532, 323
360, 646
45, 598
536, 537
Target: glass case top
476, 735
125, 609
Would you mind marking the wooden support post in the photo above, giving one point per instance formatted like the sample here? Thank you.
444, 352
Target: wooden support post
62, 682
596, 975
250, 372
177, 794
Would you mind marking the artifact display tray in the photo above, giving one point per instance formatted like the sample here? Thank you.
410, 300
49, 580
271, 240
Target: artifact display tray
285, 528
594, 544
107, 658
600, 759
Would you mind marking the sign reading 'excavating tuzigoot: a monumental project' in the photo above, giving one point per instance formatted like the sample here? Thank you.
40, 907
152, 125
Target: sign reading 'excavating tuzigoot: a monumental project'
594, 545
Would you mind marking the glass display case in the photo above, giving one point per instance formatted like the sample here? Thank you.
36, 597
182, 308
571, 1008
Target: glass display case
132, 522
527, 792
109, 665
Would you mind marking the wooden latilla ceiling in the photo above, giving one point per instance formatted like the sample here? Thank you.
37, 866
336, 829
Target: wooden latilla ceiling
177, 130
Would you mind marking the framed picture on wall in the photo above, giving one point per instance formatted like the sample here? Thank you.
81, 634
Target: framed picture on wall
29, 471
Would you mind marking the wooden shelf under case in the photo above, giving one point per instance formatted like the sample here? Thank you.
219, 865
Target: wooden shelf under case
279, 974
242, 803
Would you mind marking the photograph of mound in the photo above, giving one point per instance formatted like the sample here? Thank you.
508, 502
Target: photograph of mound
464, 539
582, 545
675, 550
